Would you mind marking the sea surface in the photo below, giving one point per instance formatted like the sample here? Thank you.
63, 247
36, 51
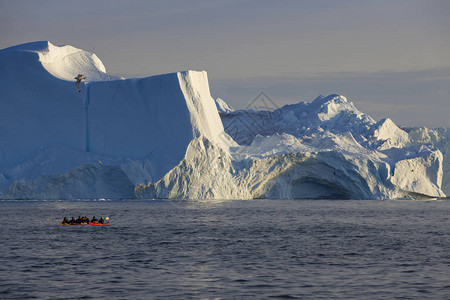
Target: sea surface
259, 249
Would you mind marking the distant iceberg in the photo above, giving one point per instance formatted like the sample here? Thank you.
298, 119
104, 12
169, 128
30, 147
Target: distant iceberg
165, 137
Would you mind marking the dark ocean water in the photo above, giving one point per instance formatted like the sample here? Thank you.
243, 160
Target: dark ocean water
262, 249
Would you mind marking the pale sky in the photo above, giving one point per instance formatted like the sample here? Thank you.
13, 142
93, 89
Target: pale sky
391, 58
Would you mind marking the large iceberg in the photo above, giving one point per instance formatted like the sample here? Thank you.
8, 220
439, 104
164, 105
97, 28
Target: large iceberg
165, 137
50, 133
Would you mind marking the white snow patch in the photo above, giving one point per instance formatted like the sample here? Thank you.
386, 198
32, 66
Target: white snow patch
222, 106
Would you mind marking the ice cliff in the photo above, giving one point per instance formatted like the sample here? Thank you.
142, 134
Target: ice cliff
50, 133
163, 137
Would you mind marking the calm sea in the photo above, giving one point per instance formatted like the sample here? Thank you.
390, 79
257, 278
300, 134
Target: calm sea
261, 249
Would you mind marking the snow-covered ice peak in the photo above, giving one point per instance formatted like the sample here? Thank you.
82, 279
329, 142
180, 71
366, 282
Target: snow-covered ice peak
324, 100
330, 106
223, 107
390, 135
63, 62
331, 113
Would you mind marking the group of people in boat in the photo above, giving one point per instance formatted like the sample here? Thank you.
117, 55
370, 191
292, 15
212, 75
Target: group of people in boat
83, 220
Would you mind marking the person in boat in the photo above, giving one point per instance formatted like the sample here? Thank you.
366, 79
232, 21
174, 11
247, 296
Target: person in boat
79, 78
79, 220
101, 221
94, 220
65, 221
73, 221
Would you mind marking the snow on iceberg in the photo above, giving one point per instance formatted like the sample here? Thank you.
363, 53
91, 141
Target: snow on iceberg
63, 62
222, 106
163, 137
149, 121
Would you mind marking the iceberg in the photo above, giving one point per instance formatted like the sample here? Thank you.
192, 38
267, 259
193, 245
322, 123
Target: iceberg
141, 126
394, 162
164, 136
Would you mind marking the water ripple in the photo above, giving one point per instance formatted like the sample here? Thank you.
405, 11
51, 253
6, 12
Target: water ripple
232, 250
